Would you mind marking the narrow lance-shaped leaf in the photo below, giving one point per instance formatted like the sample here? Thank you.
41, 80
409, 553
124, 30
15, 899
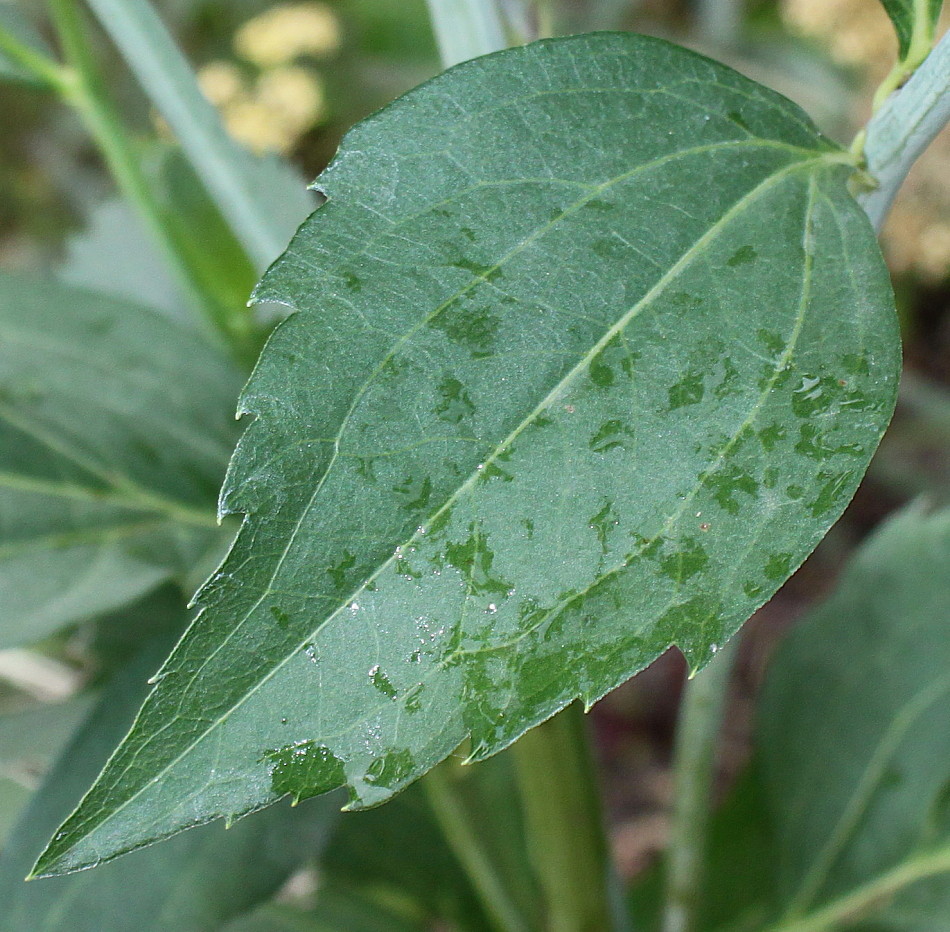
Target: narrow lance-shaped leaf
912, 18
114, 430
592, 346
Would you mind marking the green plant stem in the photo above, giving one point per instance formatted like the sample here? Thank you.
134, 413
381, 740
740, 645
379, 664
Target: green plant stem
903, 128
47, 73
465, 29
694, 769
222, 165
921, 42
564, 823
462, 834
854, 905
84, 89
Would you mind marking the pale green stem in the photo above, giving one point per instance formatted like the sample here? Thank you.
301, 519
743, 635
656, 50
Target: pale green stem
82, 87
903, 128
462, 834
465, 29
47, 72
694, 762
220, 163
854, 905
564, 823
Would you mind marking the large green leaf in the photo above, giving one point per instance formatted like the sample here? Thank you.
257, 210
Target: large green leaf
195, 883
910, 17
114, 431
593, 345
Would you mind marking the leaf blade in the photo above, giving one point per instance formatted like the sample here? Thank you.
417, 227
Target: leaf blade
376, 485
877, 787
109, 457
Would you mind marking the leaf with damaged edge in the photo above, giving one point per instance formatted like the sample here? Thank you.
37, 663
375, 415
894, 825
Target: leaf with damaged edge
592, 347
114, 432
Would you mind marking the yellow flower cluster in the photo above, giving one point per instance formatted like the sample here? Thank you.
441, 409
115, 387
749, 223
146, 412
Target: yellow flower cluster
858, 34
286, 99
287, 32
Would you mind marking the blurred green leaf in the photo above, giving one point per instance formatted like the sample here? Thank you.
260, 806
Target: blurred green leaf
114, 638
115, 255
115, 430
32, 736
853, 733
221, 265
337, 911
195, 882
399, 851
843, 821
14, 798
576, 375
911, 17
29, 739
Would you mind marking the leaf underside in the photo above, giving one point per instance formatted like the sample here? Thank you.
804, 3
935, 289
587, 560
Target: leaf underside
592, 347
902, 14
